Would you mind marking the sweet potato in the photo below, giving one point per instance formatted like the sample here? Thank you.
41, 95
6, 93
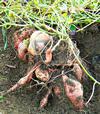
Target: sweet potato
22, 50
21, 43
42, 75
78, 71
25, 79
44, 101
74, 92
48, 56
20, 83
26, 33
37, 42
16, 44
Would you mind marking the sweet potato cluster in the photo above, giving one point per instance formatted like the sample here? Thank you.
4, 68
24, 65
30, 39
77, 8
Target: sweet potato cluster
32, 42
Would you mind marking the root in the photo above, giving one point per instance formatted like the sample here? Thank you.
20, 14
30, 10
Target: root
23, 80
93, 89
44, 101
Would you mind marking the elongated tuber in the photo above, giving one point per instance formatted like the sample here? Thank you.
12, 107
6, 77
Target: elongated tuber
44, 101
48, 56
78, 71
22, 50
24, 79
74, 92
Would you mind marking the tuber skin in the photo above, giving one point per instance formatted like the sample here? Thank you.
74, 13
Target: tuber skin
44, 101
22, 51
42, 75
24, 80
19, 42
20, 83
37, 42
26, 34
78, 71
74, 92
48, 56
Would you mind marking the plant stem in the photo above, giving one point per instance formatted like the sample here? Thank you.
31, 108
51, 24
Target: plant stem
84, 69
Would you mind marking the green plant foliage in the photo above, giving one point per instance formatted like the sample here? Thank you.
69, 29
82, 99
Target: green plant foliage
1, 98
72, 27
49, 12
4, 35
58, 16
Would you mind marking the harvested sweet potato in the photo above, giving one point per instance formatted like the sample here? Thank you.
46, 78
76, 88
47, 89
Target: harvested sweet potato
42, 75
74, 92
37, 42
20, 83
21, 35
26, 34
44, 101
78, 71
22, 49
21, 41
24, 80
48, 56
16, 44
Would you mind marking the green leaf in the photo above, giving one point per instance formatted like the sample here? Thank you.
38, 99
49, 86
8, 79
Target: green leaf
4, 34
1, 98
64, 15
69, 20
72, 27
36, 2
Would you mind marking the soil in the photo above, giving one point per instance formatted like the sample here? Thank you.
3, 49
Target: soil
26, 100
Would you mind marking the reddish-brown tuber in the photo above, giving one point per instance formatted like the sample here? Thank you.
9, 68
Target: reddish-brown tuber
20, 83
78, 71
17, 43
44, 101
21, 41
74, 92
22, 50
48, 56
24, 80
42, 75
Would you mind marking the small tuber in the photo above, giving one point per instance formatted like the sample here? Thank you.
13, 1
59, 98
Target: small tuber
48, 56
78, 71
42, 75
44, 101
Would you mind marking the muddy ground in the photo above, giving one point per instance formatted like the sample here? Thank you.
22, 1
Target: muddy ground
26, 100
